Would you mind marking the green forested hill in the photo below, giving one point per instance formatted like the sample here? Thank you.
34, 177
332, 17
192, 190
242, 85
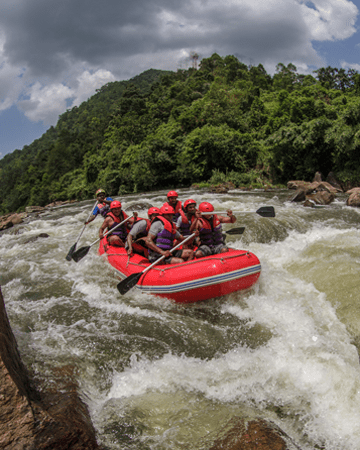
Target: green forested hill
164, 129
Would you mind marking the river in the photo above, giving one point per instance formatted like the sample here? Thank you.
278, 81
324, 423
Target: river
161, 375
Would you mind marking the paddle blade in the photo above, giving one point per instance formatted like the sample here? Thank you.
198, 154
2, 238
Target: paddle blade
125, 285
71, 251
79, 254
239, 230
266, 211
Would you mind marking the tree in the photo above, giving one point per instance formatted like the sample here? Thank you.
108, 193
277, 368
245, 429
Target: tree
285, 77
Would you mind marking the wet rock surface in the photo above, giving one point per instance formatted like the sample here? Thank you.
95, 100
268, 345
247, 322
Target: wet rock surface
354, 197
253, 435
35, 238
318, 192
37, 420
11, 219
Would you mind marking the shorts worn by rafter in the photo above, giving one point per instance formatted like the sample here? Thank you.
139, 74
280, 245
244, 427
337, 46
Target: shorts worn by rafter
207, 251
155, 256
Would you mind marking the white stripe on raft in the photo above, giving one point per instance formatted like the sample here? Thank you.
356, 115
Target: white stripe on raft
200, 282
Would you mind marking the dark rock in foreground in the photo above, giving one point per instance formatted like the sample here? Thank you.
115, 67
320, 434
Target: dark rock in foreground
253, 435
33, 421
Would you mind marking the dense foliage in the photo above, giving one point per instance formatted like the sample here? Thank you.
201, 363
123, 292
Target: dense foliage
164, 129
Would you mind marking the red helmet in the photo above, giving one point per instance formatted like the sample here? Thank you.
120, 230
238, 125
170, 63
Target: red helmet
206, 207
189, 202
172, 194
153, 210
115, 204
165, 209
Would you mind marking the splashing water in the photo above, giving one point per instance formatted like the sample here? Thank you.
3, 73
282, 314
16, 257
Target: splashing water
161, 375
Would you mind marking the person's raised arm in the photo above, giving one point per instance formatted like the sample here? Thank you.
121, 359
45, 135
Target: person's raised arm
108, 200
196, 224
92, 217
230, 218
133, 219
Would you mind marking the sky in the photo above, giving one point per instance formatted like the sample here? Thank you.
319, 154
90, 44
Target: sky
54, 54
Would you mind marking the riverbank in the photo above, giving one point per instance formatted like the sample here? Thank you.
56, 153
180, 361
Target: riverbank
11, 219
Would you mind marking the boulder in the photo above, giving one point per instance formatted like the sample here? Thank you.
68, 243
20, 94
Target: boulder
33, 421
251, 435
34, 209
331, 179
219, 188
10, 220
316, 193
353, 190
58, 203
295, 184
230, 185
354, 199
320, 198
325, 186
34, 238
304, 185
298, 196
317, 177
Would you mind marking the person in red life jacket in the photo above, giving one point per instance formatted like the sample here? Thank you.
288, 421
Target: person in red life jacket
209, 227
172, 200
135, 242
186, 218
161, 237
103, 206
113, 218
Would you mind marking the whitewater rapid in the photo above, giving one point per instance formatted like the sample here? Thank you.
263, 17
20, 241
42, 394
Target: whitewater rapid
161, 375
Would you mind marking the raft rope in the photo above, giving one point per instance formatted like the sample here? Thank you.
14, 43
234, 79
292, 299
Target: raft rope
187, 263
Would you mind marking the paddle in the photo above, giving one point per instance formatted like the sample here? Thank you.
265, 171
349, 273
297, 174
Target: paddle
72, 249
239, 230
83, 251
264, 211
125, 285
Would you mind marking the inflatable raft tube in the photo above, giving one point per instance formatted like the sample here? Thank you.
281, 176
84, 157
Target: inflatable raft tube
192, 281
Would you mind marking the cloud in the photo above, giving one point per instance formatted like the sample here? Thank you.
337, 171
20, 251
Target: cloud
346, 65
58, 52
46, 103
11, 84
89, 82
330, 20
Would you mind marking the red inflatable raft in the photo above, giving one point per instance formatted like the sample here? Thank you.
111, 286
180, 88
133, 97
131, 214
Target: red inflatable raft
193, 281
